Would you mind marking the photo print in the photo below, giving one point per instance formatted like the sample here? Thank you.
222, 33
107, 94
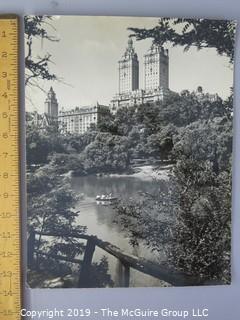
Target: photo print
129, 151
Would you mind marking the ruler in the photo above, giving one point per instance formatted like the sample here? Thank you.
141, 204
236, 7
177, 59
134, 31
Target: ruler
10, 286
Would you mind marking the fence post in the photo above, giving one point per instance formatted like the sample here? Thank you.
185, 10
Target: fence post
123, 274
126, 276
30, 250
85, 268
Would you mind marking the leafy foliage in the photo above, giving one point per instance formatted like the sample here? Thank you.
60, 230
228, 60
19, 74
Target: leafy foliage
145, 131
189, 224
100, 278
37, 67
201, 33
40, 144
63, 163
51, 209
106, 153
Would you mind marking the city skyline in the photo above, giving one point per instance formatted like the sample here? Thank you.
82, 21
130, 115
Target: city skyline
92, 62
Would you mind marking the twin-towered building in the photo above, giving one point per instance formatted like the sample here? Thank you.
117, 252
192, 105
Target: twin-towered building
156, 77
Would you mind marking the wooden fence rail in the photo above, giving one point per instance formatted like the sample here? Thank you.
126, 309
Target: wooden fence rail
127, 261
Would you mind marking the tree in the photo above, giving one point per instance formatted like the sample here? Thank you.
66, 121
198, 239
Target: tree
189, 222
106, 123
201, 33
107, 153
64, 163
160, 144
206, 141
37, 67
41, 143
51, 209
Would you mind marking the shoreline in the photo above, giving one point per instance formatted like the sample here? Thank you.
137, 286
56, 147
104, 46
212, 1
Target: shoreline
147, 173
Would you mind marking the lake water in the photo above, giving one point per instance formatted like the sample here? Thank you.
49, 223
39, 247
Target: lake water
99, 219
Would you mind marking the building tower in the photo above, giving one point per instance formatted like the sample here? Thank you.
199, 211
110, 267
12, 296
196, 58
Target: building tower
51, 105
128, 70
156, 63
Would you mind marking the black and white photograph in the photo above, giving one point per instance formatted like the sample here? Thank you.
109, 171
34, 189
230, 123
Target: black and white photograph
128, 151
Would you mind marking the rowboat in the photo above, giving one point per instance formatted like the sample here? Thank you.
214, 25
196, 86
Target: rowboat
105, 199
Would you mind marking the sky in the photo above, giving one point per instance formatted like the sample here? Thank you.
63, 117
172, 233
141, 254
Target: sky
87, 54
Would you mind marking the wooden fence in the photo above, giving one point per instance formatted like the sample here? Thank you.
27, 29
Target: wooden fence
127, 261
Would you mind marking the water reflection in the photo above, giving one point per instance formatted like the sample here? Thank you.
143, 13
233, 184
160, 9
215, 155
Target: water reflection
100, 219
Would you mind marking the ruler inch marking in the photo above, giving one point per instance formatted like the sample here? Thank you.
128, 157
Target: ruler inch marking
10, 244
